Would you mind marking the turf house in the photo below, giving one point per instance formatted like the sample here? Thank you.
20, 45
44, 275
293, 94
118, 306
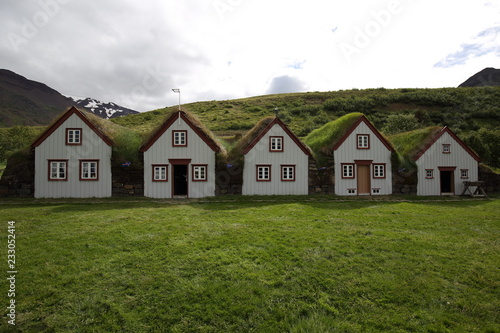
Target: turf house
180, 159
73, 158
443, 162
358, 152
276, 162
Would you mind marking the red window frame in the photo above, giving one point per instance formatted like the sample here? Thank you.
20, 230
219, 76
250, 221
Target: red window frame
193, 167
185, 138
383, 165
49, 175
367, 141
283, 166
80, 172
154, 166
281, 140
342, 165
80, 137
257, 172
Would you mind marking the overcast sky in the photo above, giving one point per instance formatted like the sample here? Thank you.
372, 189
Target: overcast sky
134, 52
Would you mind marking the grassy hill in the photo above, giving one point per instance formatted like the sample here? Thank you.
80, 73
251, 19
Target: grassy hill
462, 109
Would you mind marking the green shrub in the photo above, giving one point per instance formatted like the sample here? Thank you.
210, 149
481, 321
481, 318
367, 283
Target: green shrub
126, 148
398, 123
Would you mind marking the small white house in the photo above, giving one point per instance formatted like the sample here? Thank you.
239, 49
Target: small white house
444, 164
276, 162
73, 159
363, 161
180, 159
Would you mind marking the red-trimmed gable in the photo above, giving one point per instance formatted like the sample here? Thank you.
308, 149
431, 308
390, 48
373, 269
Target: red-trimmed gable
446, 129
71, 111
166, 125
363, 119
292, 136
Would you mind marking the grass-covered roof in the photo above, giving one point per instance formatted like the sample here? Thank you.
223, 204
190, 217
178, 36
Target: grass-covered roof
193, 122
322, 140
249, 137
409, 144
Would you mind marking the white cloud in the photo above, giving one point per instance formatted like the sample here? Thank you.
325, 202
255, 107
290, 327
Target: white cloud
134, 53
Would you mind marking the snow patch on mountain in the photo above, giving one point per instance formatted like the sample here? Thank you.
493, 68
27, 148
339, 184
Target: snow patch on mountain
104, 110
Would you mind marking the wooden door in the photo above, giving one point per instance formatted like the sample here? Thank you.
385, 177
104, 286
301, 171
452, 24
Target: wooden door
363, 174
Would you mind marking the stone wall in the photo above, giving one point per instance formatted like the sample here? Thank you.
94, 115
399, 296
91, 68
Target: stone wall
229, 179
17, 190
490, 178
18, 179
322, 180
404, 183
127, 182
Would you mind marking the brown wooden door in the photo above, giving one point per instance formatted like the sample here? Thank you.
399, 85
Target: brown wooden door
363, 179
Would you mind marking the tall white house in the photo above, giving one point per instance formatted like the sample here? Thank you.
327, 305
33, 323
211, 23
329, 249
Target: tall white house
180, 159
444, 164
276, 162
73, 159
363, 161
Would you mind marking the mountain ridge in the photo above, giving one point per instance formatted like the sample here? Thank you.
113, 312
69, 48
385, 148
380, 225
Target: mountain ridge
487, 77
27, 102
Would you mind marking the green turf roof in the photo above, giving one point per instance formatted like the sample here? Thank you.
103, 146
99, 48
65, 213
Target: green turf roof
195, 121
408, 144
322, 140
248, 138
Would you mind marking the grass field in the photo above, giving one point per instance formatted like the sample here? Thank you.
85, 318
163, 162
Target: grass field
254, 265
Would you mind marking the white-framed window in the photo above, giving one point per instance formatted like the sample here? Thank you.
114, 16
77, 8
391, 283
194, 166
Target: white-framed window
429, 173
375, 190
179, 138
73, 136
288, 173
160, 173
89, 170
379, 171
58, 169
446, 148
199, 173
276, 143
363, 141
263, 173
351, 191
464, 173
347, 170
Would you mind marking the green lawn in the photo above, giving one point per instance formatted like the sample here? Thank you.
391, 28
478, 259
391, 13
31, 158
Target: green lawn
255, 265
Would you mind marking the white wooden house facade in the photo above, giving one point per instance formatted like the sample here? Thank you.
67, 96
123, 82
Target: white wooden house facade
276, 162
179, 160
444, 164
73, 159
363, 161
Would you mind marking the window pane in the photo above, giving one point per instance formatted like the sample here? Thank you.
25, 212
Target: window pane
276, 143
263, 173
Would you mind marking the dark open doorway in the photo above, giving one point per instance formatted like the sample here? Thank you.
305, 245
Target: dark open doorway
447, 182
180, 179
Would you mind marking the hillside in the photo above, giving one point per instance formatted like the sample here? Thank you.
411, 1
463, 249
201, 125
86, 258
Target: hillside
29, 103
463, 109
486, 77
